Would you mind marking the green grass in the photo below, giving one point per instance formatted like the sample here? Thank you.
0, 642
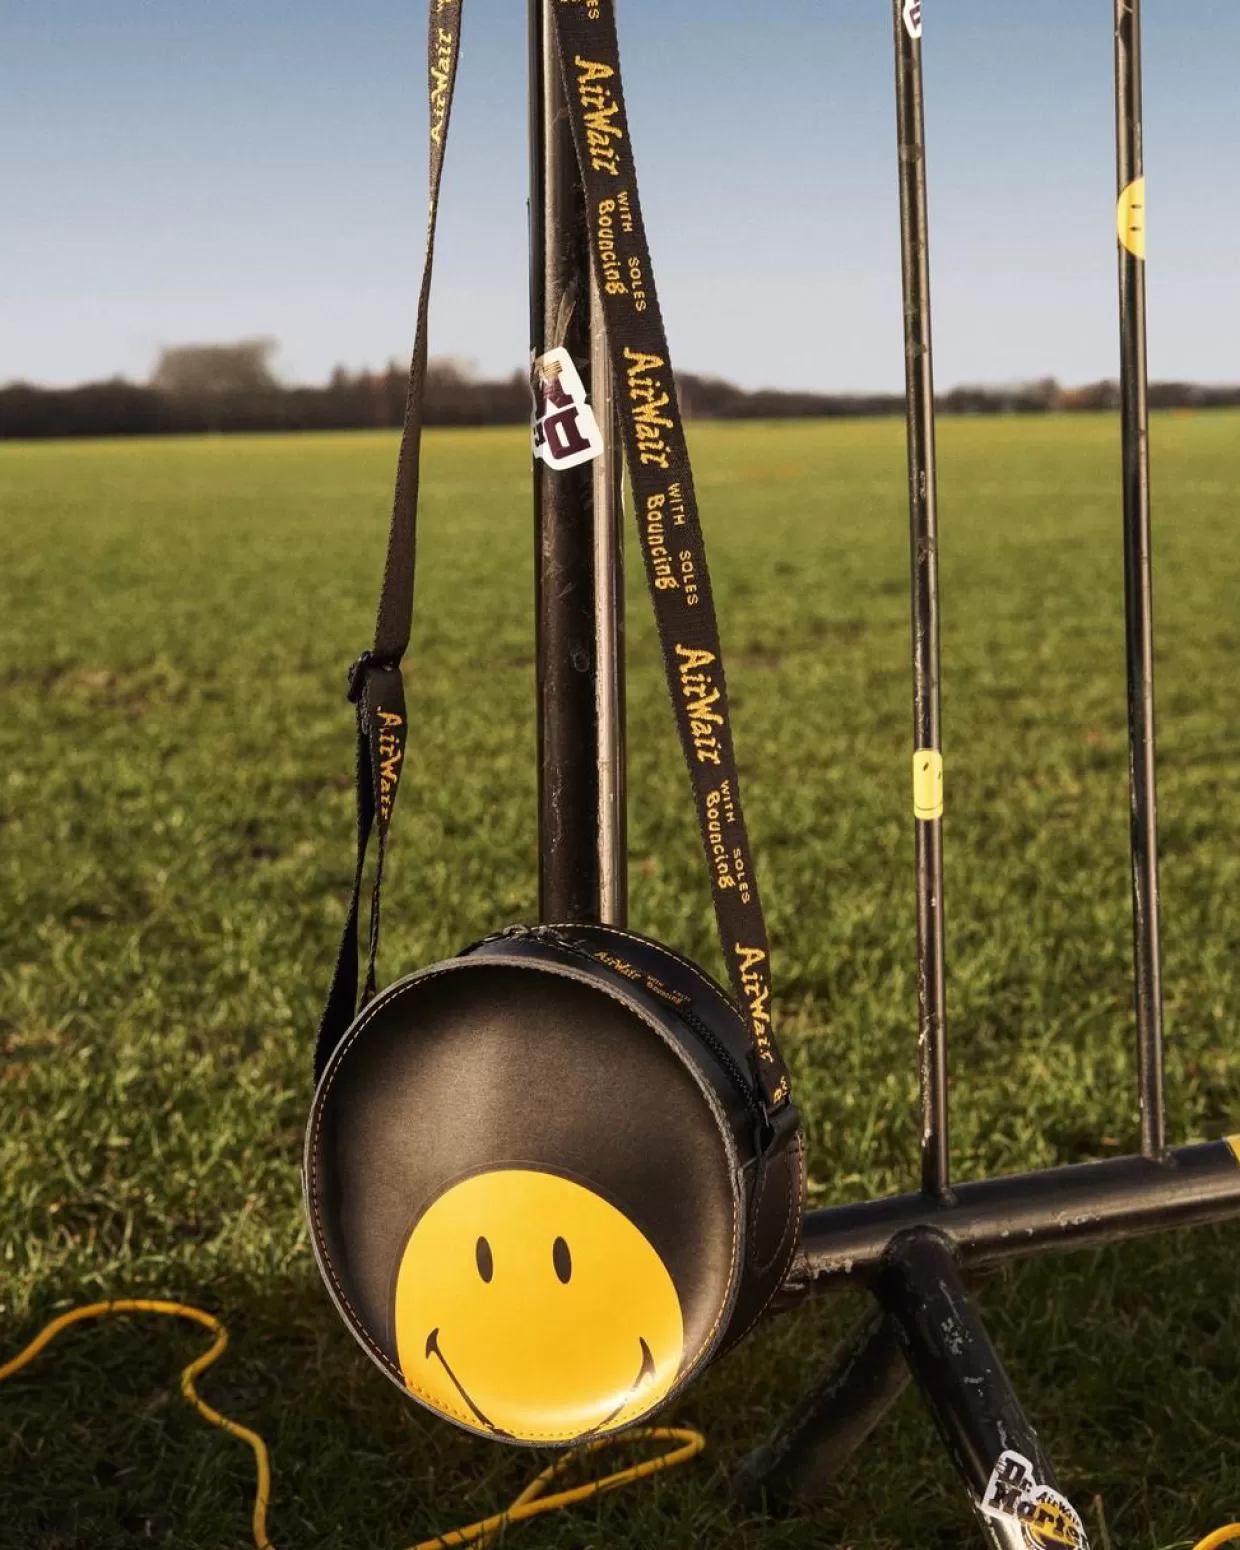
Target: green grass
175, 832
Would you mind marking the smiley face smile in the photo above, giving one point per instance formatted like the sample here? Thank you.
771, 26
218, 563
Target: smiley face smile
644, 1372
432, 1349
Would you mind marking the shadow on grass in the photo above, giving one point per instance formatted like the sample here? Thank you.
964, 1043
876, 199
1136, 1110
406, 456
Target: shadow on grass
1128, 1361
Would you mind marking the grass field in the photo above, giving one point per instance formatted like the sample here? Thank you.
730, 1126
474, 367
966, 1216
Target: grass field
175, 847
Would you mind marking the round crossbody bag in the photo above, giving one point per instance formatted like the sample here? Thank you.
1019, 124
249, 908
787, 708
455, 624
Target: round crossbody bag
550, 1179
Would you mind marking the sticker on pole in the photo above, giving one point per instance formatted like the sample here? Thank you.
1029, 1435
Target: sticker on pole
927, 784
1130, 217
565, 430
912, 18
1047, 1520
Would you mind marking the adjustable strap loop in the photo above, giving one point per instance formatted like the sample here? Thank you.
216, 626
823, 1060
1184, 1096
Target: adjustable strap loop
359, 671
377, 689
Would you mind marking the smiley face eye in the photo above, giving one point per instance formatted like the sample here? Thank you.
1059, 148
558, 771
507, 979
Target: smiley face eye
562, 1260
486, 1261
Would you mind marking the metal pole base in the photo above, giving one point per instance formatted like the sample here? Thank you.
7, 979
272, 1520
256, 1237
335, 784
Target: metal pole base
800, 1462
994, 1448
926, 1326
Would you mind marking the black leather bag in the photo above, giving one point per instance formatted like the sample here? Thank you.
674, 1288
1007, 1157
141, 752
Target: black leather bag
541, 1185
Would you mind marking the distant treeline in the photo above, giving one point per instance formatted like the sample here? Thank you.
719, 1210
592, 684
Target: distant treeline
707, 398
232, 388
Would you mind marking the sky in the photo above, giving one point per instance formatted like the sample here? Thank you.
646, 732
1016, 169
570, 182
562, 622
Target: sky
177, 173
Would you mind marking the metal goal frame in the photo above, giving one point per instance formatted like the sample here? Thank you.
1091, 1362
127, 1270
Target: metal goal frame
915, 1253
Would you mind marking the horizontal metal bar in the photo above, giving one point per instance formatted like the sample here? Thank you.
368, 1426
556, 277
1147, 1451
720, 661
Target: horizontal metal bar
1080, 1206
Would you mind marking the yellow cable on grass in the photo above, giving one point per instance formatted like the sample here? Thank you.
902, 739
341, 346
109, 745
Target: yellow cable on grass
180, 1310
531, 1501
529, 1504
1220, 1536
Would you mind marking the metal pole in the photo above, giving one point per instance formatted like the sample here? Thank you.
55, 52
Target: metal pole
1138, 592
923, 526
609, 630
1082, 1205
801, 1462
996, 1452
578, 629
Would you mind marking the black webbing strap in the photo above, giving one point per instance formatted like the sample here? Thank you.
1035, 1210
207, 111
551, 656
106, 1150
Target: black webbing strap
375, 685
668, 525
666, 505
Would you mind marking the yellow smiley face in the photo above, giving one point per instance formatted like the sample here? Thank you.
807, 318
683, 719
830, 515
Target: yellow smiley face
529, 1306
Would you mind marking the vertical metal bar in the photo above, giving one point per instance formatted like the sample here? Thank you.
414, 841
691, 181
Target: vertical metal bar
923, 528
1138, 591
577, 641
609, 630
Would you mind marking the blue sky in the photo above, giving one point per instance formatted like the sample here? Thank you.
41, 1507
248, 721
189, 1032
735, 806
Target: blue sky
177, 172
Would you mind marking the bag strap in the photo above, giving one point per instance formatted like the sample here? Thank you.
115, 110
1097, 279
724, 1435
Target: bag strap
375, 684
668, 524
666, 506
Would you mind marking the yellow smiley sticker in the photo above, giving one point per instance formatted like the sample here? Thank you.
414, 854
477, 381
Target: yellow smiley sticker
1130, 217
530, 1307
